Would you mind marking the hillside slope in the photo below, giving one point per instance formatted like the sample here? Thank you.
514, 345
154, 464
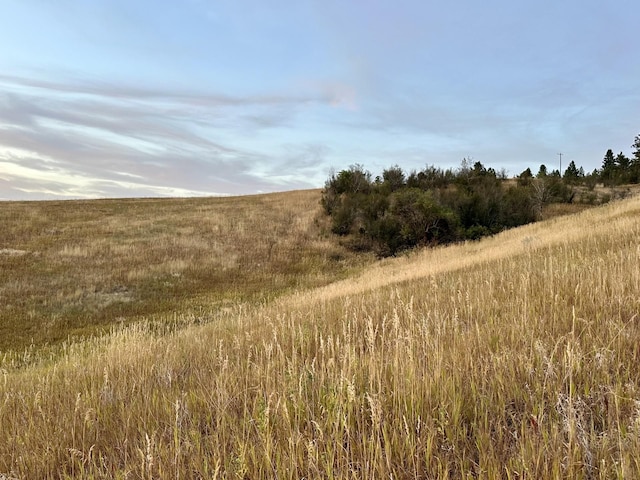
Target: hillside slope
512, 357
72, 268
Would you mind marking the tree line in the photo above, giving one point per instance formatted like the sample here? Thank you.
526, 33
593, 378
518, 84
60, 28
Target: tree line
399, 210
615, 170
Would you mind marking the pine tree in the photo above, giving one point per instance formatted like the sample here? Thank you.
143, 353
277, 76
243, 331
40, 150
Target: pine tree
634, 170
623, 168
525, 177
608, 171
571, 174
542, 172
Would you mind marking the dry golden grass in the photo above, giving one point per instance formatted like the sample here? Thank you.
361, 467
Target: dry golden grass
512, 357
71, 268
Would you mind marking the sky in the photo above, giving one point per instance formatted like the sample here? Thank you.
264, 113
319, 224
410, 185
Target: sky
140, 98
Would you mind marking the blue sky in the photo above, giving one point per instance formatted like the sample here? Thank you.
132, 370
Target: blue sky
129, 98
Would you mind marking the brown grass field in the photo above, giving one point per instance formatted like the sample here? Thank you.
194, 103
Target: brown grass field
232, 338
76, 267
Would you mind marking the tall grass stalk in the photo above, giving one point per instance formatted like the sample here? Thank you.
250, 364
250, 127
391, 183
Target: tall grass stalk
513, 357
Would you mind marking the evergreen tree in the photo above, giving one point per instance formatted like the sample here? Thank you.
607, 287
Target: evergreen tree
608, 171
622, 162
634, 173
542, 172
636, 145
525, 177
572, 173
623, 168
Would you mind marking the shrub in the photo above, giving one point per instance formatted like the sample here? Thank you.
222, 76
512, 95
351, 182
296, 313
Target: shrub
432, 206
422, 220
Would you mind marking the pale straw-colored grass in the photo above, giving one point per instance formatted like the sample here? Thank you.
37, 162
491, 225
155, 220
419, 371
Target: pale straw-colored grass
513, 357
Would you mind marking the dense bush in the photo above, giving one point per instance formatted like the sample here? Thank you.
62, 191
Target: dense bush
398, 211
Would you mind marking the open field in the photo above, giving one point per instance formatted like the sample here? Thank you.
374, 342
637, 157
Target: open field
512, 357
71, 268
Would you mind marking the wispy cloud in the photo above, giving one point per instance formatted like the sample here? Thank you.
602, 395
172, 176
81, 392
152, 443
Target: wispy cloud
76, 139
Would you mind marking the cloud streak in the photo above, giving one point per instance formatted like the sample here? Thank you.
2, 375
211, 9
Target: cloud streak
93, 141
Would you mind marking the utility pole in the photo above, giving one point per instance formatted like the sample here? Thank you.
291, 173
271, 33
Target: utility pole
560, 164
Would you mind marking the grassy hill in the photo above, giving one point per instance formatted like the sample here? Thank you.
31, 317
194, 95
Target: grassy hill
512, 357
71, 268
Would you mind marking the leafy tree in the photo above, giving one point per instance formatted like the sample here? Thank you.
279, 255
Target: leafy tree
469, 178
431, 178
385, 235
518, 207
330, 198
421, 218
591, 179
343, 217
393, 179
559, 191
481, 205
354, 180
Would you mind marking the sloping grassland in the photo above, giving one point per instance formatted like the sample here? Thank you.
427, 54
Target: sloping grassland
513, 357
74, 268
